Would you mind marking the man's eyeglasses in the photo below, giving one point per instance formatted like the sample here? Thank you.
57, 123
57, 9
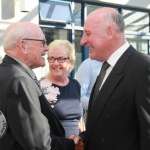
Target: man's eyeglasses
59, 59
43, 41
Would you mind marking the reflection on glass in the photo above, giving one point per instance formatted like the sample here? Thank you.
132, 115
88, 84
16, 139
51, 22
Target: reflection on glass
136, 21
139, 44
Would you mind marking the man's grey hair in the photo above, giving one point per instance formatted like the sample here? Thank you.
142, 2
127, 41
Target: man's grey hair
12, 35
118, 19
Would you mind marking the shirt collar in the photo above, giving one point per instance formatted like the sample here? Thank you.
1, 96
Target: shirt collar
29, 71
117, 54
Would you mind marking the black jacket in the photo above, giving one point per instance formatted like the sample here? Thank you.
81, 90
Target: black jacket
120, 117
31, 123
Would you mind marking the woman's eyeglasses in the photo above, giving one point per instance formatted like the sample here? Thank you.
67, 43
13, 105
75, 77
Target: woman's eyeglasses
59, 59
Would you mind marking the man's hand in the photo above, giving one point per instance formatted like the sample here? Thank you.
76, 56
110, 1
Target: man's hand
79, 145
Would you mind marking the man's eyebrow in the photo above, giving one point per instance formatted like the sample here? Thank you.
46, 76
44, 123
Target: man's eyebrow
87, 31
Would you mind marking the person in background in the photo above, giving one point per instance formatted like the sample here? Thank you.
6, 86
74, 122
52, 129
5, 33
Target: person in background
27, 122
86, 76
61, 91
119, 107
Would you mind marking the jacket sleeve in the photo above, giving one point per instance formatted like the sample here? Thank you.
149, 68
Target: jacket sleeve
142, 101
28, 125
61, 143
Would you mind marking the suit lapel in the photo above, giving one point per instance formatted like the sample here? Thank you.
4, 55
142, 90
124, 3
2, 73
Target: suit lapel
111, 82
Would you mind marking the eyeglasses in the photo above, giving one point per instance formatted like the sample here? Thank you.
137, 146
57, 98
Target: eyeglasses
44, 41
59, 59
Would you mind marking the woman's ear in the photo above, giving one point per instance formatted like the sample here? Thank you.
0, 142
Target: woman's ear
70, 65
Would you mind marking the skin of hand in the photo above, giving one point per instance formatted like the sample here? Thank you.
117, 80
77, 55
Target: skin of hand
79, 145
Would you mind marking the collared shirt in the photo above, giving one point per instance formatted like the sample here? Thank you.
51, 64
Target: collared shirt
112, 60
86, 75
29, 71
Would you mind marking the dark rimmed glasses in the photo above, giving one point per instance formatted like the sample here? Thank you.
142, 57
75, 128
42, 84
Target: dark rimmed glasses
59, 59
43, 41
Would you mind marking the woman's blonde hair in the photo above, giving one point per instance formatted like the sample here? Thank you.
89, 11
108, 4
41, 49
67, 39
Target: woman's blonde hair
65, 45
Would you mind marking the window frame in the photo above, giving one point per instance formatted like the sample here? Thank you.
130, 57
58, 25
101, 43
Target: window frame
62, 3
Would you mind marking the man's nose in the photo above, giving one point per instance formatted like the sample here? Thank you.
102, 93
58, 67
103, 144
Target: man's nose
46, 47
83, 41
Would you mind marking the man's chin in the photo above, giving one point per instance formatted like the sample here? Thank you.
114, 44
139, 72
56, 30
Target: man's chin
42, 65
92, 57
42, 62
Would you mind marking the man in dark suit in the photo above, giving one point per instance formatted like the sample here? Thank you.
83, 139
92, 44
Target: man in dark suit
119, 115
27, 122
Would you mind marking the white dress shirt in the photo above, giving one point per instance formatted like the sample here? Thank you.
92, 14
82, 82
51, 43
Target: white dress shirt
112, 60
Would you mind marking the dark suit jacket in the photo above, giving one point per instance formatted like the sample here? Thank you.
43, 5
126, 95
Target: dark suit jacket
31, 123
120, 117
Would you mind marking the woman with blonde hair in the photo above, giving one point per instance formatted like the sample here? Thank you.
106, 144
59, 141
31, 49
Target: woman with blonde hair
61, 91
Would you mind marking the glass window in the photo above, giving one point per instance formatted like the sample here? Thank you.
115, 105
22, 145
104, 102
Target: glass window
56, 11
136, 21
139, 44
78, 35
77, 14
91, 8
52, 34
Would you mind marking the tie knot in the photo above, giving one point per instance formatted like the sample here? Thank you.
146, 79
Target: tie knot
105, 65
37, 81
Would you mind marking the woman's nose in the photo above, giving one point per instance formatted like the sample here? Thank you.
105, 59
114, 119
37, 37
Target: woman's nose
56, 62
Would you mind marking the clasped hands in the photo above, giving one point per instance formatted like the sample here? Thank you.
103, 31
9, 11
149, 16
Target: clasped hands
79, 145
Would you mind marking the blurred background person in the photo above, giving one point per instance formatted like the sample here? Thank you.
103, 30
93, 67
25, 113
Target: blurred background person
86, 76
61, 91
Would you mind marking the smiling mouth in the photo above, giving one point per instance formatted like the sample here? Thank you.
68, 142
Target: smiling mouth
90, 48
43, 54
57, 68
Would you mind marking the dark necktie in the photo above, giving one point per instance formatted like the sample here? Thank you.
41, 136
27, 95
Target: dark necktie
100, 79
37, 82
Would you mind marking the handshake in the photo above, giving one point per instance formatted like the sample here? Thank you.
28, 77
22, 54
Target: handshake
79, 145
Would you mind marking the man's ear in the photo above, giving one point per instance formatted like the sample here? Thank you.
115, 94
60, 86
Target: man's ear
21, 46
110, 32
